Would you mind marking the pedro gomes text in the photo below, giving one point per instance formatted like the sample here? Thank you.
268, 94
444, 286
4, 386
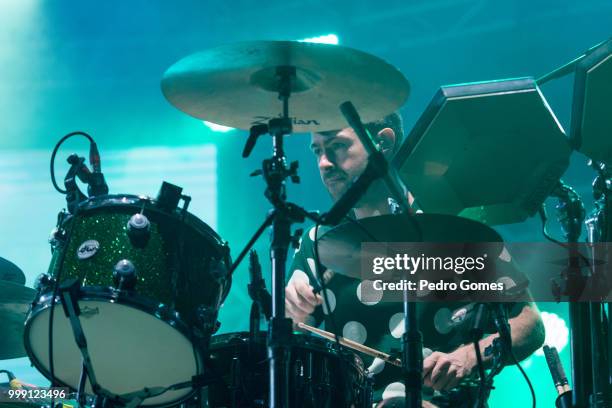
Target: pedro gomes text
412, 264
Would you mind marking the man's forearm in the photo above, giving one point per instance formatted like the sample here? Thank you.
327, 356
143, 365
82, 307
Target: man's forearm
527, 331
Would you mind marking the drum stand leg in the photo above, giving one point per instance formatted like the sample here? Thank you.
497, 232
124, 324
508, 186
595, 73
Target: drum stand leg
69, 293
275, 171
412, 355
81, 400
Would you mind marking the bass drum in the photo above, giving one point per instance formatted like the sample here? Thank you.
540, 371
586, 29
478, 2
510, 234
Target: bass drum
152, 279
319, 375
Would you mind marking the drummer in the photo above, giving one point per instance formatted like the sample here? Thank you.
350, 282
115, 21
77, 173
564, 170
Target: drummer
341, 157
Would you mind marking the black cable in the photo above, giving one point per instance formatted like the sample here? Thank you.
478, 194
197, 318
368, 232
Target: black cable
60, 263
59, 267
481, 373
56, 148
531, 390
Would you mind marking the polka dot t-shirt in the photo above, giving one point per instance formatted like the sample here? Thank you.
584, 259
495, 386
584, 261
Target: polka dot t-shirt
379, 324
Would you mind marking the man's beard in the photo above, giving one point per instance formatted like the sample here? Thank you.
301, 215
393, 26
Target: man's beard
337, 188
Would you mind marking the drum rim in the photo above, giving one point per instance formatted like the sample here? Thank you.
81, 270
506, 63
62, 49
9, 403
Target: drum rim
133, 200
304, 341
93, 293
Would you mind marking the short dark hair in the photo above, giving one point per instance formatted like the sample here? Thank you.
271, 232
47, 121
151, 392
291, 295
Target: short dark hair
392, 121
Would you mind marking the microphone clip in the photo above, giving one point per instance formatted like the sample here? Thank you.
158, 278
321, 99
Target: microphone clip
74, 196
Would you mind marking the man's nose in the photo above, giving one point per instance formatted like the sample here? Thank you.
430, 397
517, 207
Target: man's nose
325, 163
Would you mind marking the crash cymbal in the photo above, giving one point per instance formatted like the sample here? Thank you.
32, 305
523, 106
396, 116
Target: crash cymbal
236, 84
340, 248
14, 303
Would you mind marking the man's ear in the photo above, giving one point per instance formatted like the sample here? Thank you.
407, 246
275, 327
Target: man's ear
386, 141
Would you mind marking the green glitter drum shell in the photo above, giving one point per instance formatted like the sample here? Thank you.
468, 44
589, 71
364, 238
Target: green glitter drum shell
170, 270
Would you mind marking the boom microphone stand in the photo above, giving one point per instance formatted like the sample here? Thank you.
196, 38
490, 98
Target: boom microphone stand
377, 167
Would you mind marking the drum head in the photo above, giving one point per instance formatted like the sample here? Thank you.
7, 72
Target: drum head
130, 349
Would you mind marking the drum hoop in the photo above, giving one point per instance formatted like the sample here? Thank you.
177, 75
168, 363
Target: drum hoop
130, 200
135, 301
221, 341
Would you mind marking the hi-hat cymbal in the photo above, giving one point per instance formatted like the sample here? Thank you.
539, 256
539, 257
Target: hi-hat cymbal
236, 84
340, 248
11, 272
14, 301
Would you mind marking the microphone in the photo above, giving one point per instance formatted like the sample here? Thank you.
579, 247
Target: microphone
564, 399
257, 287
96, 185
556, 369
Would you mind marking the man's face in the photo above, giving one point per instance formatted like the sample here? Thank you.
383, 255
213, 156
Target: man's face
340, 157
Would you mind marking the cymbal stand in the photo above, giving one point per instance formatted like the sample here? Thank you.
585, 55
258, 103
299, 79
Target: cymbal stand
571, 214
599, 230
412, 339
275, 171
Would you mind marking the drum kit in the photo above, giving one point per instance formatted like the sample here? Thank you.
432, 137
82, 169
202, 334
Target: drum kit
127, 313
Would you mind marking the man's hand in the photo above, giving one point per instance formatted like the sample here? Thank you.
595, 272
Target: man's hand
443, 371
300, 300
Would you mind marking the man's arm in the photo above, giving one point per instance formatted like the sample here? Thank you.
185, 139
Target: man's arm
443, 371
300, 299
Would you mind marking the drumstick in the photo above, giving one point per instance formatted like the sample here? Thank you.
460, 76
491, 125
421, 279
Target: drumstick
352, 345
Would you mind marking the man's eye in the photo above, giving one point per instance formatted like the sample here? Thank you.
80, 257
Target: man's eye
316, 152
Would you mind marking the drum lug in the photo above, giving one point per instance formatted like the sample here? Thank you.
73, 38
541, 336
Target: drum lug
124, 275
207, 318
57, 238
138, 230
44, 283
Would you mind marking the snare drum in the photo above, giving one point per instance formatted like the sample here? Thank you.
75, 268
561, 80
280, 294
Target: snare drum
152, 281
316, 373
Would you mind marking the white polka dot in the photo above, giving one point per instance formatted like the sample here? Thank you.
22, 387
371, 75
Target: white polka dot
311, 234
396, 325
393, 390
507, 281
355, 331
377, 366
419, 211
365, 290
331, 299
311, 264
442, 321
505, 255
299, 276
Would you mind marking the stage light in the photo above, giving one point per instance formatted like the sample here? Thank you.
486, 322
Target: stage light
323, 39
557, 332
217, 128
